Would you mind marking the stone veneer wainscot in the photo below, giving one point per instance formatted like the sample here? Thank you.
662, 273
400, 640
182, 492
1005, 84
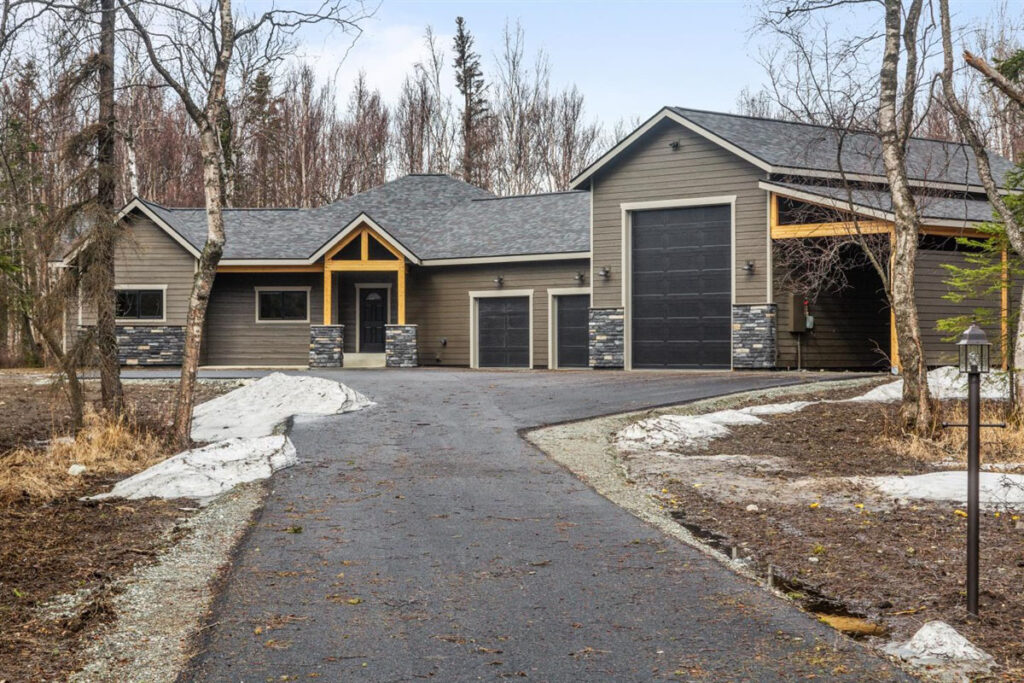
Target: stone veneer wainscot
754, 336
150, 345
607, 332
325, 346
400, 349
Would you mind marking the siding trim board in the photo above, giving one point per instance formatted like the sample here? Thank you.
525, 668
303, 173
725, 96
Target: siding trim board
474, 318
627, 209
553, 293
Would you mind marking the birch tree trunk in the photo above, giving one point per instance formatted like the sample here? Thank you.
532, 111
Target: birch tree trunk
894, 125
106, 230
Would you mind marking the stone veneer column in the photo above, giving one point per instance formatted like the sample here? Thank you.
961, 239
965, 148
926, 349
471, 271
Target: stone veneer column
400, 349
325, 346
150, 345
607, 331
754, 336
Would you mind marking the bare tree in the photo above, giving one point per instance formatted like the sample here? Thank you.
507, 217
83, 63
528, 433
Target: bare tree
570, 143
967, 125
191, 47
829, 80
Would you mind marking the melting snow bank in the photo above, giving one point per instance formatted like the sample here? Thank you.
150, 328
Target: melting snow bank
258, 408
696, 430
205, 473
945, 383
937, 644
994, 488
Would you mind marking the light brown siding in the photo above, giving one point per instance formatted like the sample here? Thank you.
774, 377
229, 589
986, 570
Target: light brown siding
851, 327
233, 337
146, 255
438, 301
651, 171
930, 286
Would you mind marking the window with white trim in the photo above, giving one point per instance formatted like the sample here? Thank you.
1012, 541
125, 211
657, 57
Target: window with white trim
282, 305
139, 304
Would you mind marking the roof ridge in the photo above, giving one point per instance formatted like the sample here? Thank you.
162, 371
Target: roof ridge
527, 195
769, 119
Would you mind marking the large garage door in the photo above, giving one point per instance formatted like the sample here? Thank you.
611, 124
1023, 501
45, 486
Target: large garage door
682, 289
572, 312
503, 331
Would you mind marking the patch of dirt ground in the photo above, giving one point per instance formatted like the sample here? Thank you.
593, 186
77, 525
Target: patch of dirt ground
59, 559
854, 553
899, 565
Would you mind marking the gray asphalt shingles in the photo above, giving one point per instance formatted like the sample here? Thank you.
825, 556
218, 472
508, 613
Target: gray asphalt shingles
805, 146
432, 216
964, 208
436, 542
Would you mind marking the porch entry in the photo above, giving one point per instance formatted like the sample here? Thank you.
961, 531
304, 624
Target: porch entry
373, 315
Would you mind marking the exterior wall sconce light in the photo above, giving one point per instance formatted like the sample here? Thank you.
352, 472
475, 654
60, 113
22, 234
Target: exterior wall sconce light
579, 277
674, 145
444, 341
605, 272
499, 281
749, 267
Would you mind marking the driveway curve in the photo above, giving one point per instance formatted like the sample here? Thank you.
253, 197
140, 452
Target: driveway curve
423, 538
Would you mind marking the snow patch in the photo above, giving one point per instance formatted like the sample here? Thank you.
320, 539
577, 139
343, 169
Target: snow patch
205, 473
994, 488
945, 383
682, 430
937, 644
777, 408
257, 409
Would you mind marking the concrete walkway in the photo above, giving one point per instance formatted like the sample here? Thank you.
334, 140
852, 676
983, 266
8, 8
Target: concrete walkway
423, 538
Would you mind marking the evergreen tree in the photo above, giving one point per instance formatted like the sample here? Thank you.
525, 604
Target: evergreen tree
470, 83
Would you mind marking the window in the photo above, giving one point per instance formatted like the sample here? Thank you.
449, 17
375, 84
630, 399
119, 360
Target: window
282, 305
140, 304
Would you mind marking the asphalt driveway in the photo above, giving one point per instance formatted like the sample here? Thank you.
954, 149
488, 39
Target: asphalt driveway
423, 538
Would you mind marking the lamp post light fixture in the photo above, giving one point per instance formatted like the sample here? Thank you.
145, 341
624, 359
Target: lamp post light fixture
975, 351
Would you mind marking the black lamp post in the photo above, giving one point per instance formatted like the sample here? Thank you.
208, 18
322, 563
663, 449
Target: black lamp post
974, 360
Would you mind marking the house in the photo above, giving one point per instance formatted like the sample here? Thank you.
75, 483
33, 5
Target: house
660, 256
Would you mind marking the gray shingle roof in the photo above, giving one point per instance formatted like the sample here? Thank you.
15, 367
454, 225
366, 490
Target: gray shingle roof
810, 147
964, 208
530, 224
433, 216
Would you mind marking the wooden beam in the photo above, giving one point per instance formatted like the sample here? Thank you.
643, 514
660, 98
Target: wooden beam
773, 212
344, 266
805, 230
315, 268
365, 245
946, 231
401, 295
328, 293
1004, 311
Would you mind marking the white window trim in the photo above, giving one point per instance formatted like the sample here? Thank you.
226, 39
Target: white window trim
135, 321
474, 297
282, 288
627, 210
553, 295
370, 285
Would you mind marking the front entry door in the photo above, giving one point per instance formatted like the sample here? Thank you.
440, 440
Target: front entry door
373, 313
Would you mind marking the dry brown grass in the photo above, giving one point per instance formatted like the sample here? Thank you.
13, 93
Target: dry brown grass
105, 447
949, 445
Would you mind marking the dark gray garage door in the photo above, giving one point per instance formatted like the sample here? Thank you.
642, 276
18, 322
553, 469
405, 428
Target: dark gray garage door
571, 327
503, 330
682, 288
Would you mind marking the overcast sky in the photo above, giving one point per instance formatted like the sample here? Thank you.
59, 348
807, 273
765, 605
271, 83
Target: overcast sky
628, 58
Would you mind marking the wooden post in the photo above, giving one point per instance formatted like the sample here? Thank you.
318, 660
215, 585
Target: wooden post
364, 246
401, 293
1004, 312
328, 281
894, 340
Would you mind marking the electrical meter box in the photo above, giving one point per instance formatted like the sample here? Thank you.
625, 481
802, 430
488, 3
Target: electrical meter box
797, 319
